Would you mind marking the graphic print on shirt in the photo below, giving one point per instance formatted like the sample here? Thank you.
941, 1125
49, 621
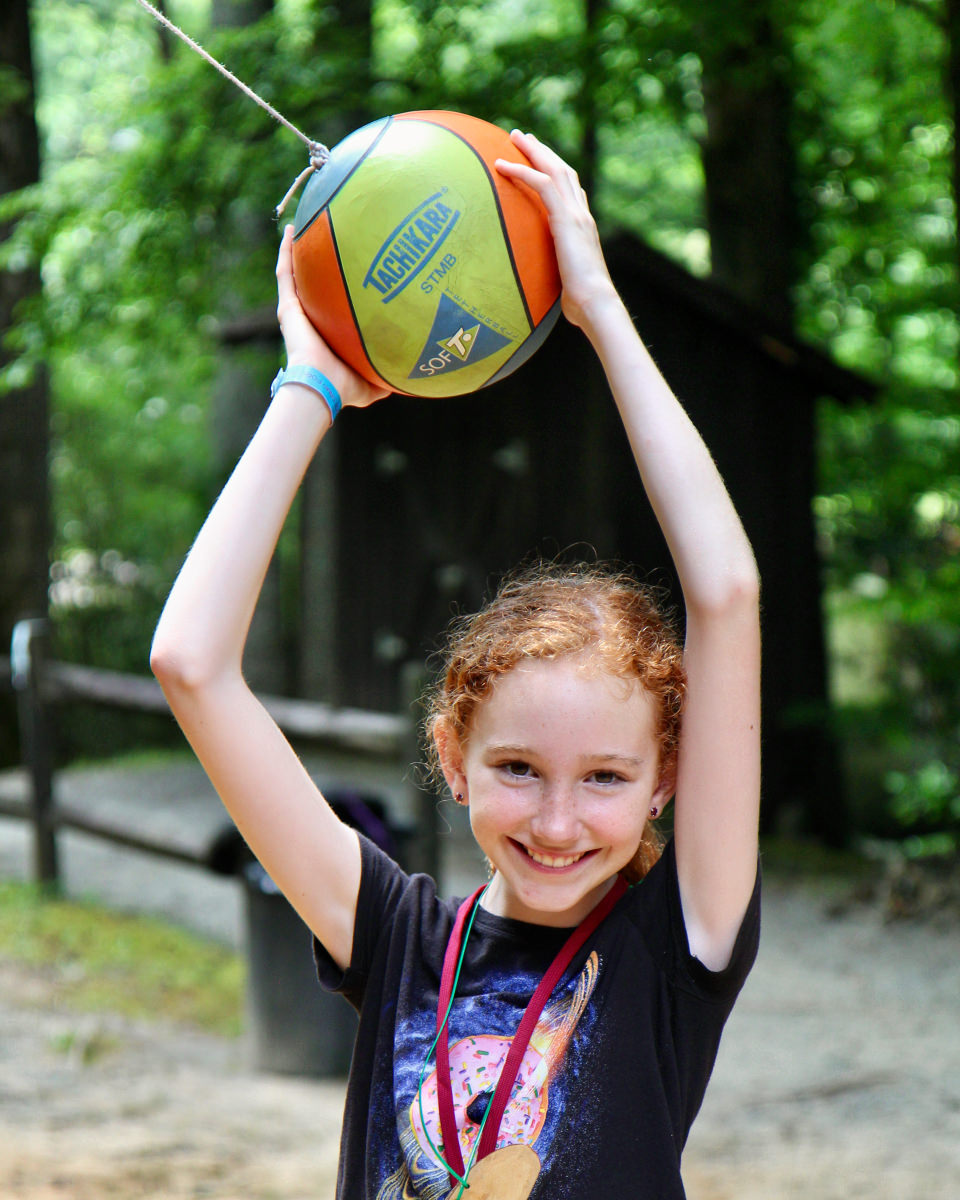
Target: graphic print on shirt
535, 1105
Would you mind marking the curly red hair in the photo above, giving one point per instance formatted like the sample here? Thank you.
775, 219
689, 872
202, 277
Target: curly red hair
551, 611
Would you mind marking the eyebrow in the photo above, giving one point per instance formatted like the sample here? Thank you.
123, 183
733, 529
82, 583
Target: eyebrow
629, 760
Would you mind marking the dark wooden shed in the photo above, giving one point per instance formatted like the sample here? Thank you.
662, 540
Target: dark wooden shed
417, 506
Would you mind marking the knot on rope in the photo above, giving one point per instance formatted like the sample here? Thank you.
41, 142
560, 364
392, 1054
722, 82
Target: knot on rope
318, 154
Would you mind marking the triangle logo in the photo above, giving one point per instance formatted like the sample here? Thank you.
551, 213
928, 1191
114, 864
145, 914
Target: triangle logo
457, 338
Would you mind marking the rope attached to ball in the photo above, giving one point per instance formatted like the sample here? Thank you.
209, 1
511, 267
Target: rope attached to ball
318, 152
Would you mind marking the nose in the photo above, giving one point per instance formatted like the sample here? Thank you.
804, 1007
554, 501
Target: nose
556, 821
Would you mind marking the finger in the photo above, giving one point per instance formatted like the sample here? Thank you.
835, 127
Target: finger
539, 183
288, 302
522, 171
285, 263
542, 157
285, 250
556, 196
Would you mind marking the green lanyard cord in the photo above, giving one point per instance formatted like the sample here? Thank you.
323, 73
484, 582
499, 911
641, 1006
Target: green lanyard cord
423, 1070
473, 1153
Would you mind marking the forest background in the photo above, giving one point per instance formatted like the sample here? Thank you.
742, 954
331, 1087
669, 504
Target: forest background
128, 168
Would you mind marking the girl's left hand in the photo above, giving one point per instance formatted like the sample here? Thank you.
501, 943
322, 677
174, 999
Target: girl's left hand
304, 344
583, 270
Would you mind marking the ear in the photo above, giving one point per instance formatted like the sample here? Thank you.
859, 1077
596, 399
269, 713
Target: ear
664, 791
450, 754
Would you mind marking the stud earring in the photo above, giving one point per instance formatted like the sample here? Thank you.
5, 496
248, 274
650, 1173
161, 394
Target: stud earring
459, 798
654, 812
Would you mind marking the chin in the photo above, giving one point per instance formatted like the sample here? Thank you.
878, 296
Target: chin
551, 899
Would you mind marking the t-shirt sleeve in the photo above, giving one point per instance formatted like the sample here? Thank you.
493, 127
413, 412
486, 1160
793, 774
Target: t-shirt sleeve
668, 939
727, 983
698, 1000
382, 884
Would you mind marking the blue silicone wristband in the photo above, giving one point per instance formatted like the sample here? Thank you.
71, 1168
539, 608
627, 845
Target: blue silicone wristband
315, 380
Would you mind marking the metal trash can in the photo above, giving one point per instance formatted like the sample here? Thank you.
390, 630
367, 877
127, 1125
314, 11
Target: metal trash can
297, 1028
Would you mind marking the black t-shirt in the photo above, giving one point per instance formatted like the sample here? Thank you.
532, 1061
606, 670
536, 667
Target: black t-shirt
615, 1071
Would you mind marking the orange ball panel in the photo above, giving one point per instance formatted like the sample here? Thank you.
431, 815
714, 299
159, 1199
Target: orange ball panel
324, 297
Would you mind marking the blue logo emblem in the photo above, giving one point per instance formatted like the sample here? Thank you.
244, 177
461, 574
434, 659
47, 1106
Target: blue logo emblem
411, 246
456, 339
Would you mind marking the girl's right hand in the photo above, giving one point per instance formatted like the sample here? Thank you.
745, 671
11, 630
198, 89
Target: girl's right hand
305, 346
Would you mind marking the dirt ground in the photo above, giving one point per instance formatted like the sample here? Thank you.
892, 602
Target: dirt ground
839, 1076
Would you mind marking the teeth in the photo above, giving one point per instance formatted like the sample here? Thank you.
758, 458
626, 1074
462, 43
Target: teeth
549, 860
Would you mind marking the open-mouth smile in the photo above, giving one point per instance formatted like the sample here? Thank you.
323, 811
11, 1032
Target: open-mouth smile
553, 862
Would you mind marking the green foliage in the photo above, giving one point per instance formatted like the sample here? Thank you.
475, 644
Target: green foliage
874, 138
153, 223
889, 520
881, 290
927, 796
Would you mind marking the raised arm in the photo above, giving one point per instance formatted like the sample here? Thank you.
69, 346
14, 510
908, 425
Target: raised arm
198, 646
718, 774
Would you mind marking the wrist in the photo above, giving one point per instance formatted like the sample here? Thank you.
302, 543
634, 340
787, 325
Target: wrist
602, 313
312, 378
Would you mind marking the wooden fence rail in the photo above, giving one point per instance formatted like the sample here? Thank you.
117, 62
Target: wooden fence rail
40, 685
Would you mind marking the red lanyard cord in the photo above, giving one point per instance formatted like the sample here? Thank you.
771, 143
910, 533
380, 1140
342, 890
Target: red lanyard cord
528, 1023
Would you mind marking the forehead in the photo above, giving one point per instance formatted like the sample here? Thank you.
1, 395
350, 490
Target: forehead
573, 698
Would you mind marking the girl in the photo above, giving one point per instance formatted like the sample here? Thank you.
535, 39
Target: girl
552, 1036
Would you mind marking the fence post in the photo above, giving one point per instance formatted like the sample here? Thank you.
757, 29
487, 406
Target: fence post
424, 854
27, 659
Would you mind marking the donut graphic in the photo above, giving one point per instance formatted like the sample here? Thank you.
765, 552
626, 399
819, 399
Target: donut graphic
475, 1066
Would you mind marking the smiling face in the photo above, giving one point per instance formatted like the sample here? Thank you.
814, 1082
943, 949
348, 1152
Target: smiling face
560, 768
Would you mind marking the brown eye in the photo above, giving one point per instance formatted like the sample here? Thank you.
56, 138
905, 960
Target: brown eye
518, 769
605, 777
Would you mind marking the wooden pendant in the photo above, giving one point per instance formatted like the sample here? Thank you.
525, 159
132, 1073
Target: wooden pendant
507, 1174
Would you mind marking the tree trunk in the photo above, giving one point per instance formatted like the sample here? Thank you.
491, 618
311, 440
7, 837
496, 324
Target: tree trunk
322, 555
235, 14
24, 428
587, 102
748, 161
752, 219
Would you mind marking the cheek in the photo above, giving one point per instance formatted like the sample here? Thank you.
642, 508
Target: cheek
494, 808
622, 822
